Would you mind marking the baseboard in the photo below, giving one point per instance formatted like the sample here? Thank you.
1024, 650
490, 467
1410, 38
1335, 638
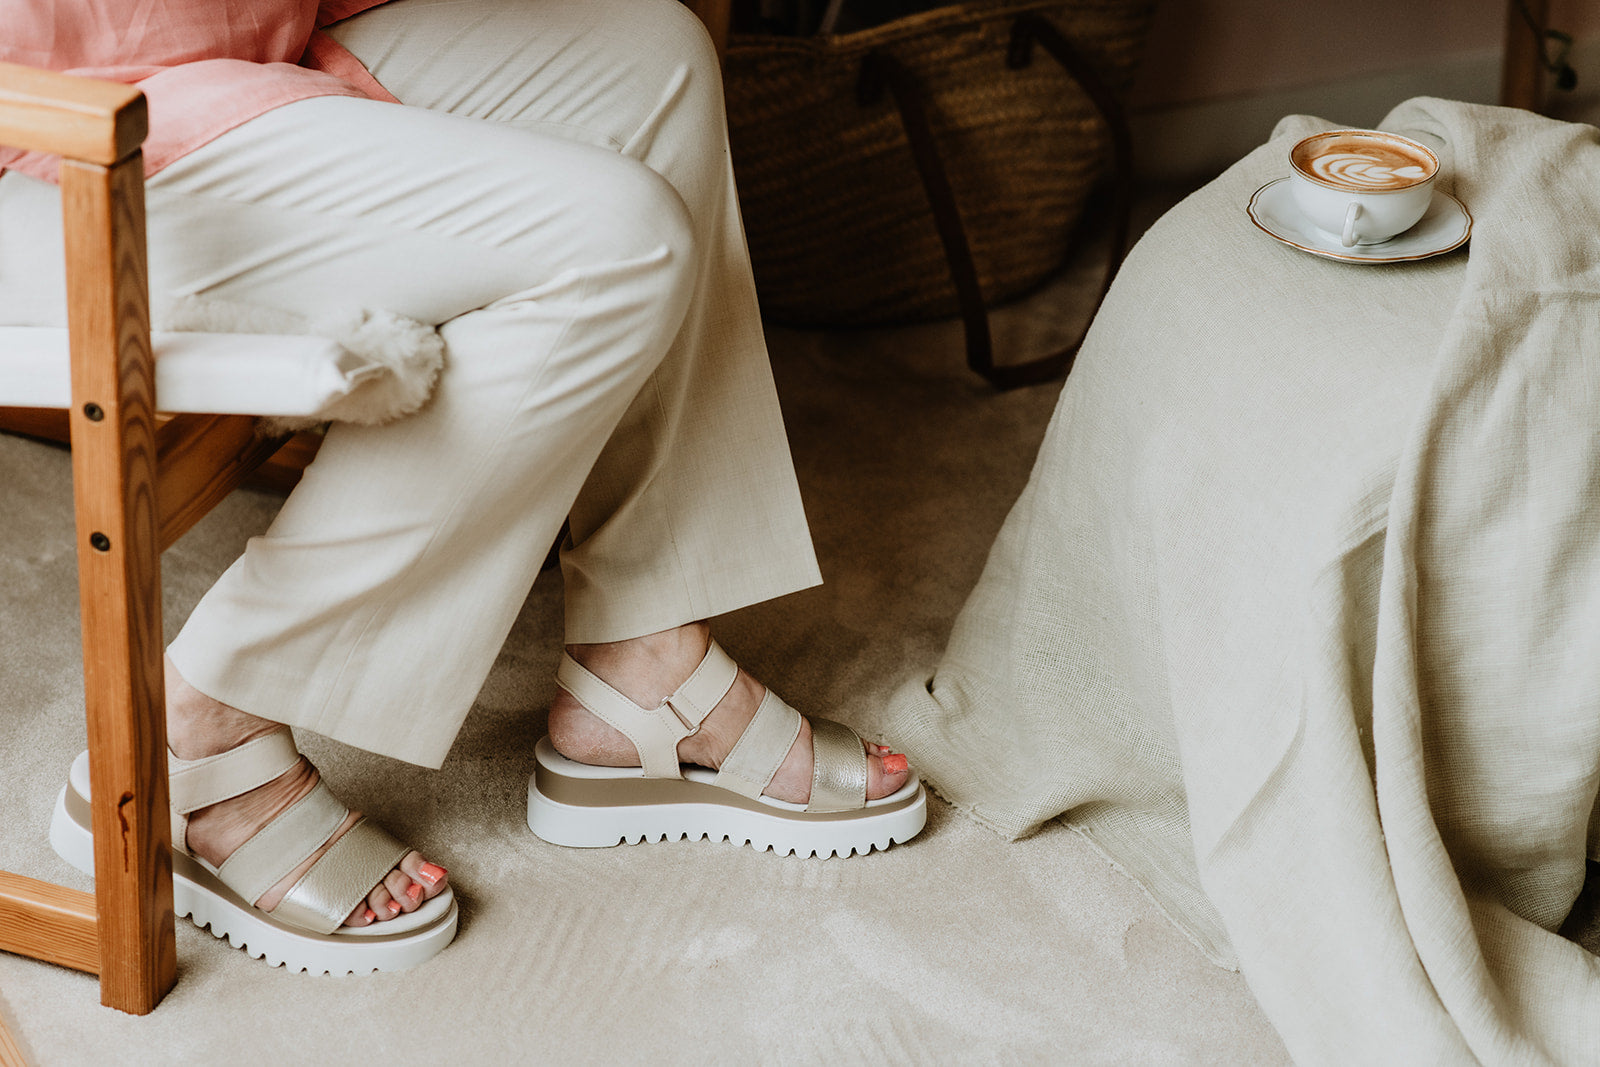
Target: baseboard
1194, 142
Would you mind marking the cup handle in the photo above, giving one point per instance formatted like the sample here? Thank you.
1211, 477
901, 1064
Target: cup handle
1348, 238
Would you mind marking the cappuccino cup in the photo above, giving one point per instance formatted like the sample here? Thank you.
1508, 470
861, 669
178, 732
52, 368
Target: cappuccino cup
1362, 187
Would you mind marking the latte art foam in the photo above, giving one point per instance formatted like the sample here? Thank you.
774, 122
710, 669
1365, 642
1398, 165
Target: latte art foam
1363, 163
1362, 170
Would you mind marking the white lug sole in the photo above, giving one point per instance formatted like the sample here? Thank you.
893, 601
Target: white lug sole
394, 945
582, 806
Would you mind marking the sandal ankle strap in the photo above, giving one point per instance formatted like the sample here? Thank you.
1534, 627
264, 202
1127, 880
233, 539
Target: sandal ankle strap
200, 783
654, 732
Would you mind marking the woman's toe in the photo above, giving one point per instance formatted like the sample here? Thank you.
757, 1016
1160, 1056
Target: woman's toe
430, 876
885, 774
400, 885
402, 890
382, 902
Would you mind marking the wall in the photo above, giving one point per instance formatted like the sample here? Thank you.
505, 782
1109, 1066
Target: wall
1217, 74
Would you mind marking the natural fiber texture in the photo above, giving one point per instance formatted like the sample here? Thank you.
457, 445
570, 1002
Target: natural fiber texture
840, 231
1296, 619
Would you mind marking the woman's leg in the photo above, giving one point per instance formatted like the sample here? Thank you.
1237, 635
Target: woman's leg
387, 583
692, 509
560, 272
700, 461
373, 608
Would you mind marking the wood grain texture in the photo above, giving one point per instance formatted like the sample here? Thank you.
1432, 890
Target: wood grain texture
49, 424
48, 922
81, 118
279, 473
1522, 73
10, 1054
282, 471
119, 574
203, 458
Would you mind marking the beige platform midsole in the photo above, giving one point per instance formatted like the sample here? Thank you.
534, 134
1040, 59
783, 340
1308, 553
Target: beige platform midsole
626, 792
199, 895
576, 804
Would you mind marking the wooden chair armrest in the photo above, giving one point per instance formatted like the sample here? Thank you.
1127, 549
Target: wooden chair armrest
79, 118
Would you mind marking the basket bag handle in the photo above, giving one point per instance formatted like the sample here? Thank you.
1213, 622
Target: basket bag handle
880, 69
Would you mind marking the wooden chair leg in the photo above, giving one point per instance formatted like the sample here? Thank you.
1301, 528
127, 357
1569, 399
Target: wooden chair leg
10, 1054
119, 575
48, 922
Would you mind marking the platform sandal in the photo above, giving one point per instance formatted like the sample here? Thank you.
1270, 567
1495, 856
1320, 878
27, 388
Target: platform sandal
577, 804
303, 932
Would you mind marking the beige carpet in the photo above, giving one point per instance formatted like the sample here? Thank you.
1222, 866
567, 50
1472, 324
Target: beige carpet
955, 948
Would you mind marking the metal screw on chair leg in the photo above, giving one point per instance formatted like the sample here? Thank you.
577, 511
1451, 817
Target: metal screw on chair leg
100, 542
94, 412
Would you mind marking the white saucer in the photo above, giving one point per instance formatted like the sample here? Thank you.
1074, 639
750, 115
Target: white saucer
1445, 227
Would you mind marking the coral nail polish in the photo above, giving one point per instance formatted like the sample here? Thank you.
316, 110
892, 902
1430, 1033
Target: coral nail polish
371, 916
414, 891
394, 909
432, 873
895, 764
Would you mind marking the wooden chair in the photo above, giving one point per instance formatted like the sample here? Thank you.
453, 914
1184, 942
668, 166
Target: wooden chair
124, 931
140, 480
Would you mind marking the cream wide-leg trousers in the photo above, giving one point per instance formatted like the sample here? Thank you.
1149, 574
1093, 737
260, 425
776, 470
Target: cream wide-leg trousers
557, 197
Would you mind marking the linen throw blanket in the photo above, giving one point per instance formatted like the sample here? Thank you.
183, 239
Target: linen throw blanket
1298, 619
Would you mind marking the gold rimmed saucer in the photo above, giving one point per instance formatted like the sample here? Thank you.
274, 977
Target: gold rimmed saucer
1444, 227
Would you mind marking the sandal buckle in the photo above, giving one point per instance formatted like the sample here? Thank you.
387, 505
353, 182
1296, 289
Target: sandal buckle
692, 727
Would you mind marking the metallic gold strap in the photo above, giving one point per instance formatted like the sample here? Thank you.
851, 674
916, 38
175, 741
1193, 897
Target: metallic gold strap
283, 844
839, 768
761, 748
341, 879
200, 783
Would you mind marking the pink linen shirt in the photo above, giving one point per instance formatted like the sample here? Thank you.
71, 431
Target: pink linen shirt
205, 66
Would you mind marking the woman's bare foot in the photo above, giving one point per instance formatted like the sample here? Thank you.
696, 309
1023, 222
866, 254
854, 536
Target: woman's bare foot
647, 670
198, 726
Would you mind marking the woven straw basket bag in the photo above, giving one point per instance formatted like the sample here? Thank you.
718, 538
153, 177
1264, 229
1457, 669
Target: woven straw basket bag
877, 168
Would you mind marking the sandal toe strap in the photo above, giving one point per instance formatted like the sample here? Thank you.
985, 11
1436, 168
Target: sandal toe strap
760, 750
339, 881
283, 844
839, 762
839, 768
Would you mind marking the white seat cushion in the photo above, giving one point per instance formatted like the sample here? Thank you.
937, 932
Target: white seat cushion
304, 377
225, 374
